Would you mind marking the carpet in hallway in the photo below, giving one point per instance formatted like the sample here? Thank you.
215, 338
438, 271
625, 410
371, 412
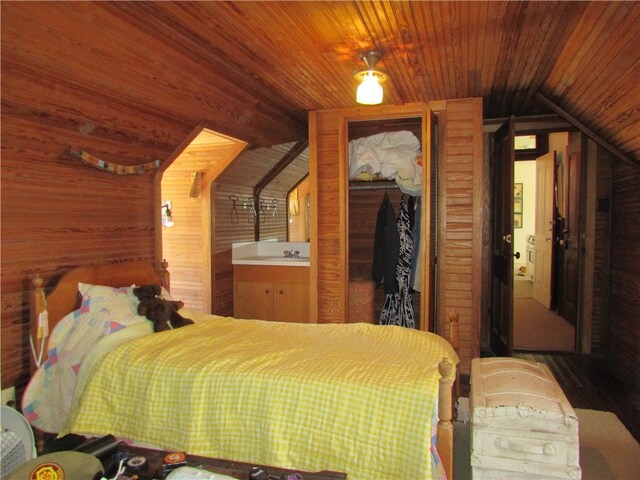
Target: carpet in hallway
522, 288
536, 328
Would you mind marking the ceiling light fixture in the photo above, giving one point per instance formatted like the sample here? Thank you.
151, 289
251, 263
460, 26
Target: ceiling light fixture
369, 91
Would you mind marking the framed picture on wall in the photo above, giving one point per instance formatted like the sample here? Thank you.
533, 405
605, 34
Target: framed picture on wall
517, 220
517, 190
517, 205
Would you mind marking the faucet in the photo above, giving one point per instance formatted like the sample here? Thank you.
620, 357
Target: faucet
291, 254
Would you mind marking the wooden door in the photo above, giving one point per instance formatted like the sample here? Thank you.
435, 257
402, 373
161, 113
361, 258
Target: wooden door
291, 302
431, 231
545, 210
569, 236
501, 312
253, 300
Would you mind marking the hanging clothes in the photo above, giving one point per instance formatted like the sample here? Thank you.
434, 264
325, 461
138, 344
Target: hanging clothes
398, 307
386, 247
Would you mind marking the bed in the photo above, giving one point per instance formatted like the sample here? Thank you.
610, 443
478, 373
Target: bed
371, 401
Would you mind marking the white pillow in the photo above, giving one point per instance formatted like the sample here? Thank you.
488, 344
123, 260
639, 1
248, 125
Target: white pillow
120, 304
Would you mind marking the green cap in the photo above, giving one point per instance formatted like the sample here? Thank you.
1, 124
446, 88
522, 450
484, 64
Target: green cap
59, 466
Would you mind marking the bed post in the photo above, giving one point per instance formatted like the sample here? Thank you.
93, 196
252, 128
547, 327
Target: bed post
445, 399
37, 334
164, 275
453, 330
454, 340
445, 414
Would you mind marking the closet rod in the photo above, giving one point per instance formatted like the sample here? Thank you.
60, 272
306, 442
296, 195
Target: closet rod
372, 185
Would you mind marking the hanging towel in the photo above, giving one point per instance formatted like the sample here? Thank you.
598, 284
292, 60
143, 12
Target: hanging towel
398, 307
386, 247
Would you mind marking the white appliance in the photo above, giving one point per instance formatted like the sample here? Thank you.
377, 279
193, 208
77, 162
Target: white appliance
531, 256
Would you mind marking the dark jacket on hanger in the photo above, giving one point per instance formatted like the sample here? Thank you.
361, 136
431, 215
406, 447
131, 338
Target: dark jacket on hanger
386, 247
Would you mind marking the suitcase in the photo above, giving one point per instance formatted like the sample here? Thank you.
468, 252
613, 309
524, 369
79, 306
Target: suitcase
522, 425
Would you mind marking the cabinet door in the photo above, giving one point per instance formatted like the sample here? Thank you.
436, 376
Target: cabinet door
291, 303
253, 300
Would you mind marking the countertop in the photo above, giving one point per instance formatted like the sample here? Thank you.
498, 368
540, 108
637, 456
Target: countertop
270, 253
283, 261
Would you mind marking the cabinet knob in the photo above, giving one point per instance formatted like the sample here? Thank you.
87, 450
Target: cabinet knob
281, 292
267, 290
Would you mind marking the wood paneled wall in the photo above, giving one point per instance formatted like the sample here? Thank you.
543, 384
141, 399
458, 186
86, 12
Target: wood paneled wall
328, 177
273, 215
80, 76
623, 329
460, 215
602, 247
232, 223
58, 213
187, 245
597, 238
183, 245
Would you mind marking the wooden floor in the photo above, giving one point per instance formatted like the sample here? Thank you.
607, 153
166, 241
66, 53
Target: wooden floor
589, 382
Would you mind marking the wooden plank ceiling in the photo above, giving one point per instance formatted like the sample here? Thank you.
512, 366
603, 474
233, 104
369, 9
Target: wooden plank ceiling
132, 80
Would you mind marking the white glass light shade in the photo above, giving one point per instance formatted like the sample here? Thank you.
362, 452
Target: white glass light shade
369, 91
167, 220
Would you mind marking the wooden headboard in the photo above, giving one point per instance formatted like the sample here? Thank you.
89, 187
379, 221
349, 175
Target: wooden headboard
65, 298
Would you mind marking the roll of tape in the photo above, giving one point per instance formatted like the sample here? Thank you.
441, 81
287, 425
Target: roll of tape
175, 458
136, 463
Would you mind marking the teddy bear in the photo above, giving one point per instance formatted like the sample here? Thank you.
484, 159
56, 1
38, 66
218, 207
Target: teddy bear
163, 313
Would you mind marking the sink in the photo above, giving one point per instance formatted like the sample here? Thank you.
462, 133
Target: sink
271, 253
271, 259
284, 259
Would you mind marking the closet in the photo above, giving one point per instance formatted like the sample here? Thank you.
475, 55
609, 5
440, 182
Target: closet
390, 148
453, 279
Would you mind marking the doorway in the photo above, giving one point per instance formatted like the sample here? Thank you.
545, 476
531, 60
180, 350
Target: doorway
537, 325
185, 232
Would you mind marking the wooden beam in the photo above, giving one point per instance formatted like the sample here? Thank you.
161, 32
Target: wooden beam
587, 131
284, 162
530, 123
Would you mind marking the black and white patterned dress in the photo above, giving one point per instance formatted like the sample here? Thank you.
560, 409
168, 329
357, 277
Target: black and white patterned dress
398, 307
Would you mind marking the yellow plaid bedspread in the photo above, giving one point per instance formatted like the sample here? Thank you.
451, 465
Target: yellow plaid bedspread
355, 398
